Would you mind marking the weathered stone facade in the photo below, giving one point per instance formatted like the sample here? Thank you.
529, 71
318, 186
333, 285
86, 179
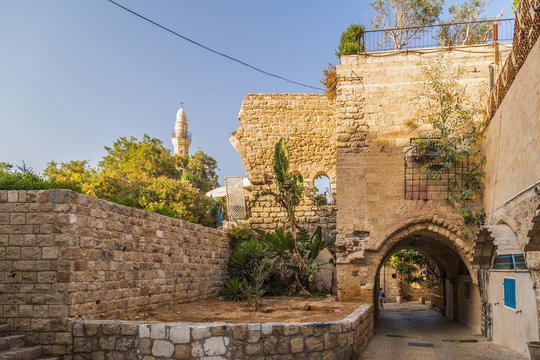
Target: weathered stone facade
359, 140
307, 122
66, 255
108, 339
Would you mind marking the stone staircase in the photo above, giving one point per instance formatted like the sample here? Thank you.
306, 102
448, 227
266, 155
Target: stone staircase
13, 347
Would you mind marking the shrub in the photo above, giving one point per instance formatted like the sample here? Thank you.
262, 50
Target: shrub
234, 289
349, 43
24, 178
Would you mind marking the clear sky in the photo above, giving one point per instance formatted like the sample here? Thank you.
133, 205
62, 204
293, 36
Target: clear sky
77, 74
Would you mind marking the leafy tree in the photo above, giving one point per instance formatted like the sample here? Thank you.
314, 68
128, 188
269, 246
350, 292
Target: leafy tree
411, 264
200, 170
515, 5
144, 174
350, 42
468, 33
404, 17
5, 167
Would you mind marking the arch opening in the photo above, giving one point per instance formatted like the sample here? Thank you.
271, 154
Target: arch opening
451, 290
323, 190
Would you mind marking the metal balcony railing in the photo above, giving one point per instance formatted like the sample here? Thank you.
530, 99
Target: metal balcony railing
185, 135
434, 36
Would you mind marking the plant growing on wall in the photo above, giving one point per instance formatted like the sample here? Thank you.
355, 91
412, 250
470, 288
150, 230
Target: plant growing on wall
329, 80
350, 41
453, 141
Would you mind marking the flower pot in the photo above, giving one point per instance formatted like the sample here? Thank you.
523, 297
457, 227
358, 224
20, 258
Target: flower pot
534, 349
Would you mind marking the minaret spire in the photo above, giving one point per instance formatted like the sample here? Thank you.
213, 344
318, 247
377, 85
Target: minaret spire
181, 137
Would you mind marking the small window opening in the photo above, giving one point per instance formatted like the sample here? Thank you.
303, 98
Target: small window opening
467, 290
514, 262
323, 193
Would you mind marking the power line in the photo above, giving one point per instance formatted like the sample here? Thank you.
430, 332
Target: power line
212, 50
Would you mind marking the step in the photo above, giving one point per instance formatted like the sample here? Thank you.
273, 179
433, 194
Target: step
28, 353
5, 329
10, 342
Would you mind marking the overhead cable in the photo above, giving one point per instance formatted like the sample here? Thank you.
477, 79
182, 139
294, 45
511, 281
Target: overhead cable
210, 49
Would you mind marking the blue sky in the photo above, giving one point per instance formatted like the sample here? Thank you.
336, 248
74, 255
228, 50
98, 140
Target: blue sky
77, 74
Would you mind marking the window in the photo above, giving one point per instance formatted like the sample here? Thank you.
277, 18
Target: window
510, 292
514, 262
323, 193
467, 290
419, 185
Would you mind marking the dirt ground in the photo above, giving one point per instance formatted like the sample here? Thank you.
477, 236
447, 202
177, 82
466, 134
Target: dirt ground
274, 309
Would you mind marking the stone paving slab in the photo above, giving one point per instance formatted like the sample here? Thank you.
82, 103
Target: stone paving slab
413, 332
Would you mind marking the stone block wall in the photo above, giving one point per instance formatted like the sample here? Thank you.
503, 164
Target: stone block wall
308, 124
343, 339
64, 254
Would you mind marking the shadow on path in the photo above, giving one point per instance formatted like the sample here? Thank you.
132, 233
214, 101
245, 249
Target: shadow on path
412, 331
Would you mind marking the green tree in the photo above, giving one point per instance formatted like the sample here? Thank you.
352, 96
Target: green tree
200, 170
468, 33
404, 17
144, 174
350, 42
411, 264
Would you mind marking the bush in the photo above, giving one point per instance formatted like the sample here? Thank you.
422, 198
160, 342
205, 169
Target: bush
234, 289
349, 43
240, 233
24, 178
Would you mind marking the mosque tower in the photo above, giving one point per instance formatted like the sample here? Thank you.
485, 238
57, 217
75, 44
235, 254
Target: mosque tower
181, 138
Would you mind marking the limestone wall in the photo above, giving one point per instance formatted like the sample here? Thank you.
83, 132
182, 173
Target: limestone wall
307, 122
379, 97
65, 254
107, 339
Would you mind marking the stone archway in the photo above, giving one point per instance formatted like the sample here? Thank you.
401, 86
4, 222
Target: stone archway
439, 241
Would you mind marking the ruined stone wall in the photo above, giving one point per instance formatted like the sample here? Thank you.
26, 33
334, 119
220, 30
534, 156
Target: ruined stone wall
307, 122
378, 96
65, 254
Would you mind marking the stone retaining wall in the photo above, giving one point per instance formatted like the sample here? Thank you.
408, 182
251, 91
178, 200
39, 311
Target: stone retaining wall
339, 340
64, 254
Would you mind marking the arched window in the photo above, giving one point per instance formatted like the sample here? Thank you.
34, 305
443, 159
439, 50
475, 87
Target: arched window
323, 190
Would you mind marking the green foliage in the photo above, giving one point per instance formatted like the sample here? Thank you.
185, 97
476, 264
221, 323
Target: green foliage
411, 264
466, 34
245, 258
454, 138
144, 174
240, 233
24, 178
289, 190
350, 42
402, 15
297, 252
234, 289
515, 5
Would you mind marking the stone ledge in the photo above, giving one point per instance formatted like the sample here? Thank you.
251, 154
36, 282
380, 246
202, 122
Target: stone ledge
343, 339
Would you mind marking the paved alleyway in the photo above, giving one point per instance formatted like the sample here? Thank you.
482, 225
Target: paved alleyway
427, 335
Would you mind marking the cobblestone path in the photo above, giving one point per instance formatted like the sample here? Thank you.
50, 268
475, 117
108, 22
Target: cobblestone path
413, 332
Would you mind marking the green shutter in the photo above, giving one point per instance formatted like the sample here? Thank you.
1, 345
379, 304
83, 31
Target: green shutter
510, 292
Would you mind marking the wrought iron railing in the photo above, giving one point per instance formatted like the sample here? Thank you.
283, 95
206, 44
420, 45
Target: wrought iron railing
185, 134
433, 36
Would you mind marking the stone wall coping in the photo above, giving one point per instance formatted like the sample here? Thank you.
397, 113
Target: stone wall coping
352, 317
67, 196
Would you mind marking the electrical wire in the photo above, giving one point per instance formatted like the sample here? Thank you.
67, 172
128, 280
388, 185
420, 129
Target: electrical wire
210, 49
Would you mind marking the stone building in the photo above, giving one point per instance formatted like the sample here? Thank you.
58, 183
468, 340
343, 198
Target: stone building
181, 137
360, 141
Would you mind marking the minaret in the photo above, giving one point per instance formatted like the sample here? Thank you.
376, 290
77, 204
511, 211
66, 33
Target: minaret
181, 138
